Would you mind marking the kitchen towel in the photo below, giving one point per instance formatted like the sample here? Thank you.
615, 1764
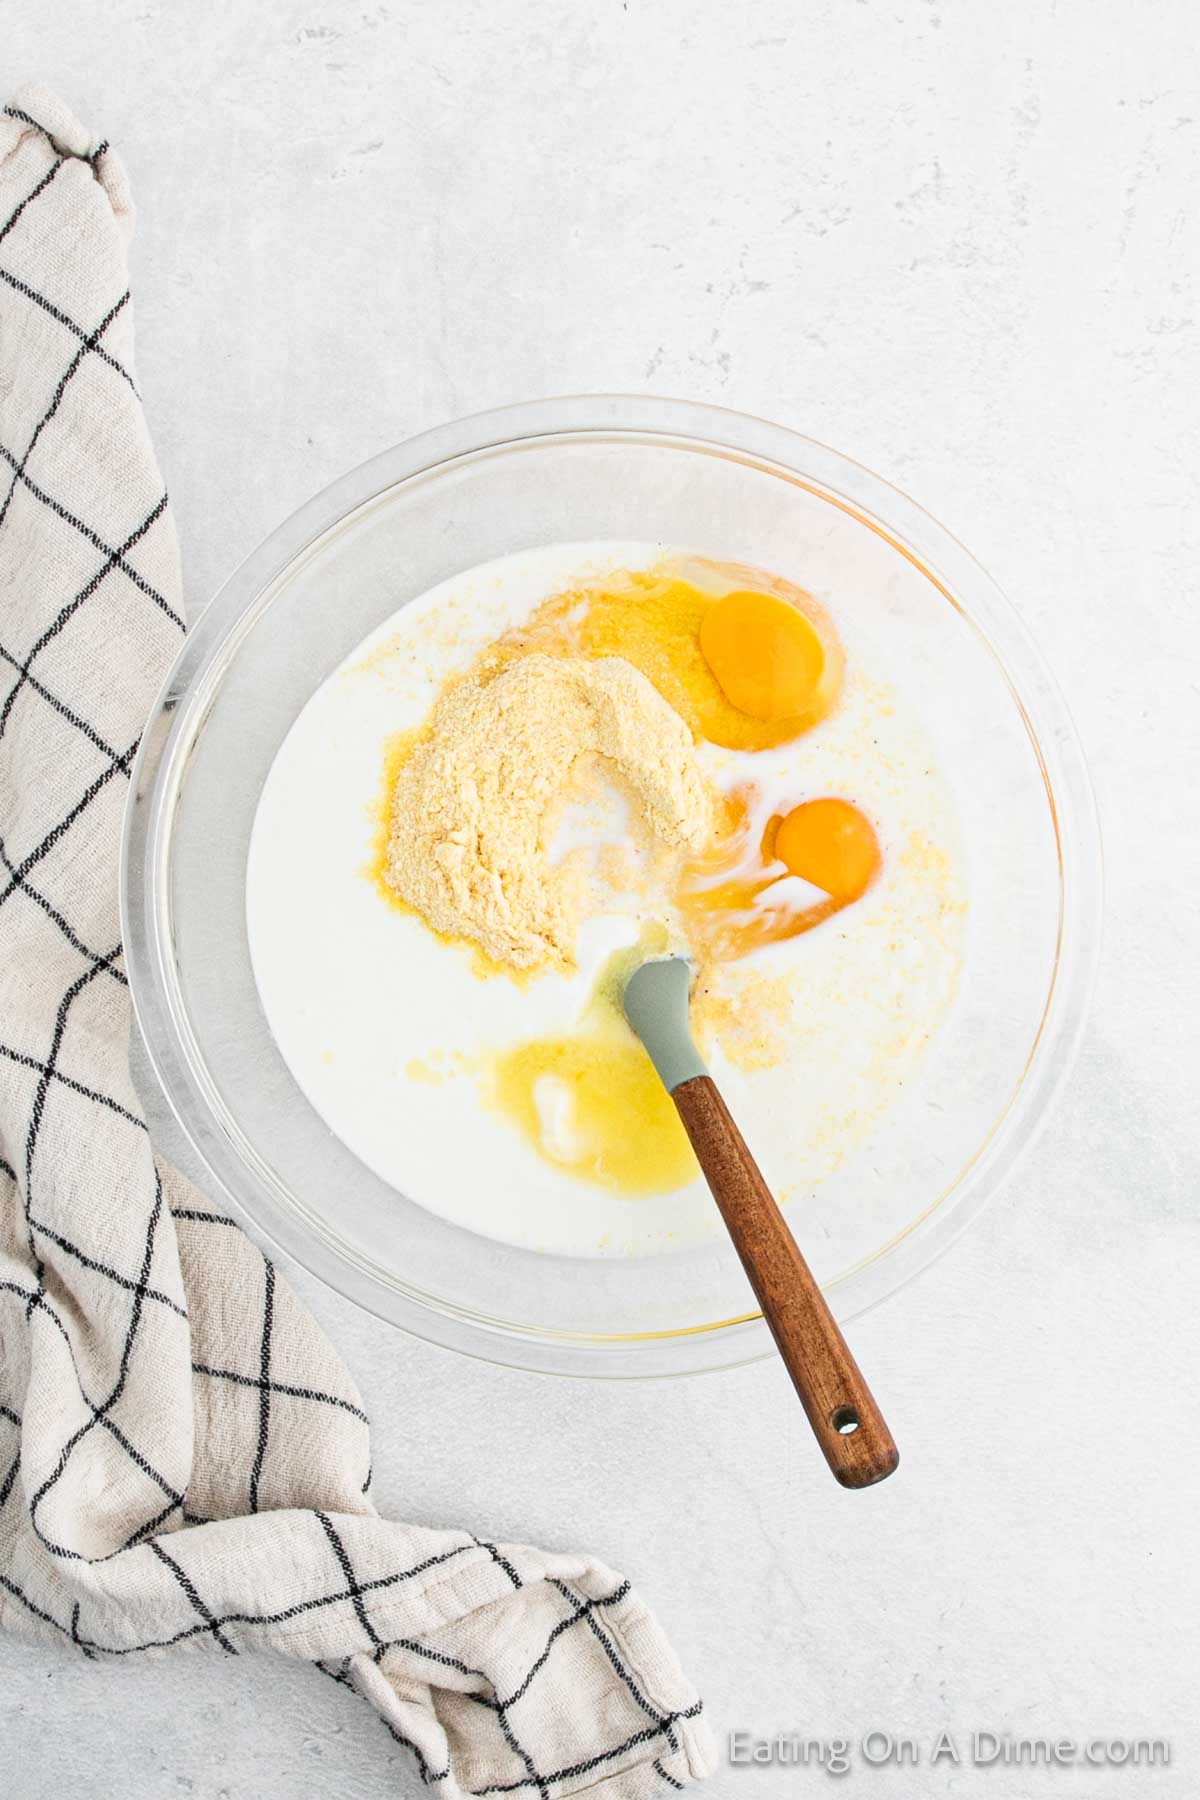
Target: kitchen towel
184, 1461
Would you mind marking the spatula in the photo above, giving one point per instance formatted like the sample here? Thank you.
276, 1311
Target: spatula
848, 1425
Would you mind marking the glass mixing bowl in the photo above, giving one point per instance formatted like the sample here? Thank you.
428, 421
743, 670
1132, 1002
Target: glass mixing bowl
724, 486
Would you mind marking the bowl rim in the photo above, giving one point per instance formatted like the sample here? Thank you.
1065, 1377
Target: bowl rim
188, 691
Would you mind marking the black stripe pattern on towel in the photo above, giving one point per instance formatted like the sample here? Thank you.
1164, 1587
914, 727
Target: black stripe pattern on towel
183, 1457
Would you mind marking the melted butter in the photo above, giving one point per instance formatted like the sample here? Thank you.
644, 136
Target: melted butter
589, 1102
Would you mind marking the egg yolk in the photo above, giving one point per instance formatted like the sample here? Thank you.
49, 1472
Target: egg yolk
733, 899
766, 656
830, 844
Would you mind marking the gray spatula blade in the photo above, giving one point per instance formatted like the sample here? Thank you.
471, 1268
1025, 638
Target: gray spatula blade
656, 1005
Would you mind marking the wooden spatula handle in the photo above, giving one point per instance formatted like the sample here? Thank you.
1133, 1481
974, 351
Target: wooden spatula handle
848, 1425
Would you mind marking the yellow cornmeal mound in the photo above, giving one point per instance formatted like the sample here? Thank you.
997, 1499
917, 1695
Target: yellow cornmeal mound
466, 845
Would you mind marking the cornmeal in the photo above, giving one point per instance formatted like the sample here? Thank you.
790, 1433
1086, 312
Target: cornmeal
466, 846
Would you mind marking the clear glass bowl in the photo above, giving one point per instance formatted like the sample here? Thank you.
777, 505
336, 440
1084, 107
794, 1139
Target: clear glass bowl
725, 486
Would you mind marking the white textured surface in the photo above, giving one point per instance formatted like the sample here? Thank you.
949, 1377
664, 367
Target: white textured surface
959, 244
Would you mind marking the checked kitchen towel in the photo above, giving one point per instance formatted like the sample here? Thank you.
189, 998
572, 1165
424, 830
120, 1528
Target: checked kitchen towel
183, 1458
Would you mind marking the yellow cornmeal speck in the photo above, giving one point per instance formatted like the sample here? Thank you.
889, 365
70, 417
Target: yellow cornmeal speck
931, 863
618, 866
619, 1127
376, 661
436, 1070
424, 1073
748, 1015
465, 841
440, 637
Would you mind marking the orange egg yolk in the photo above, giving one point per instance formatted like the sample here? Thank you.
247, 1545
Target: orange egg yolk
765, 654
732, 899
830, 844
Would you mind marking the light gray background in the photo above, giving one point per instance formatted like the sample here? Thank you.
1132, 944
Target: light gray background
957, 241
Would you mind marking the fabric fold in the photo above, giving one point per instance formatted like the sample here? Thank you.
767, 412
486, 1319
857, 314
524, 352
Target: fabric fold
184, 1460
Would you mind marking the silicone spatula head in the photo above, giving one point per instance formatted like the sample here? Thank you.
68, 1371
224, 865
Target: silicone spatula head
656, 1005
